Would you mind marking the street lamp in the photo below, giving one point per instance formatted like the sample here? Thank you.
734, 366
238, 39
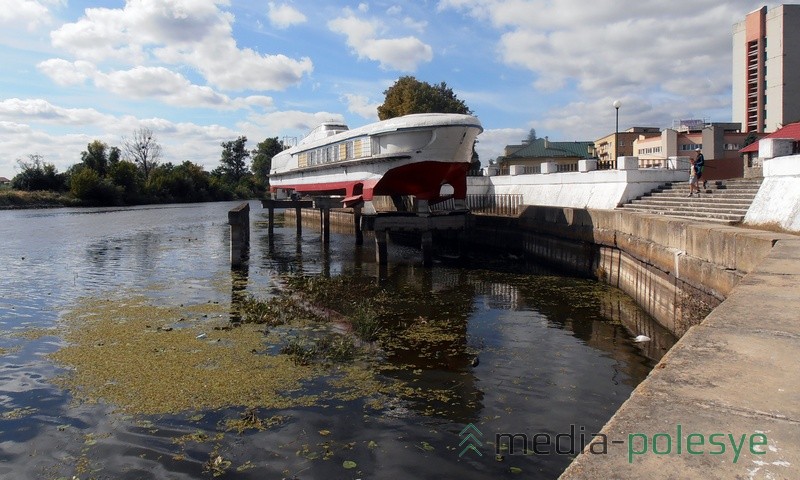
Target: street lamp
616, 105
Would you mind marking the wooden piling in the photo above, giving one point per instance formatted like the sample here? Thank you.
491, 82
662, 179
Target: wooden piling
239, 220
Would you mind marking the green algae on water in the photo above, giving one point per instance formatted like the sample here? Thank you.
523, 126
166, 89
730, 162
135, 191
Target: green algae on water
144, 359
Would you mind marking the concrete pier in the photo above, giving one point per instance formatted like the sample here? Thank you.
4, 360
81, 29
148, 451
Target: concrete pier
425, 225
297, 205
239, 220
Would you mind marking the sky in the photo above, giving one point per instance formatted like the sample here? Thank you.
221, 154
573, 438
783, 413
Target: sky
202, 72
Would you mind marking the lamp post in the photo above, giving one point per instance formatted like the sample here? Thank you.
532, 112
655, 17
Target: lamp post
616, 105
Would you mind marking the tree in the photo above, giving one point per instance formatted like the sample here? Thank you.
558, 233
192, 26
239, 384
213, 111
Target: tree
143, 150
532, 135
36, 174
408, 95
262, 158
233, 162
96, 158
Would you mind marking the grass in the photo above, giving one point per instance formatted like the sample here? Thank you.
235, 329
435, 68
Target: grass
40, 199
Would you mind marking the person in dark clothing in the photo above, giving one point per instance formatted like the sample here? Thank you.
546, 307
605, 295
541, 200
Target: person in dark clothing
699, 163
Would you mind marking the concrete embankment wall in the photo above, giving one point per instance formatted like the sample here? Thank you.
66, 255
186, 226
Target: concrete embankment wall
677, 270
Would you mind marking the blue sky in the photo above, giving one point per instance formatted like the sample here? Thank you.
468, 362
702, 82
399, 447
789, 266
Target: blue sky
200, 72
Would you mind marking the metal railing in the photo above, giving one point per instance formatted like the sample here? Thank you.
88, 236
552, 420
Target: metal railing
507, 204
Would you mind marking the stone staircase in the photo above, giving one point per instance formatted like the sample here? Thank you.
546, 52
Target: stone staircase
724, 201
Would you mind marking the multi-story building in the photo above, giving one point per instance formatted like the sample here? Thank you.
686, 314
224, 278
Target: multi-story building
719, 142
620, 144
766, 61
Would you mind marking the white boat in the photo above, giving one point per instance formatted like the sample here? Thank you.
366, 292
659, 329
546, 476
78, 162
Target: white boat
409, 155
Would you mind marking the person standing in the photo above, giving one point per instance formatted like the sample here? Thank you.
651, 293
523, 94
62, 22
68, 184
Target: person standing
699, 163
693, 178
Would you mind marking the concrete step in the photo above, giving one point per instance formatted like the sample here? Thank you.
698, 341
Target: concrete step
711, 188
687, 209
690, 203
706, 197
723, 201
704, 217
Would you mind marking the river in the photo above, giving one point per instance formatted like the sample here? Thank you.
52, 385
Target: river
529, 353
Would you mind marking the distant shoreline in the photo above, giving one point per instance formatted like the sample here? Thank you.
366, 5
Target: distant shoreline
18, 200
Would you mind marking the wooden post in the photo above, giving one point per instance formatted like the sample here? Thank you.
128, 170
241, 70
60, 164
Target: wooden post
299, 220
326, 225
239, 220
357, 225
271, 221
427, 248
381, 249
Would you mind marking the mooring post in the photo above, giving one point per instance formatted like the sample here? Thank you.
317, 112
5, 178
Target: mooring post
299, 219
239, 220
381, 250
271, 221
357, 225
325, 212
427, 248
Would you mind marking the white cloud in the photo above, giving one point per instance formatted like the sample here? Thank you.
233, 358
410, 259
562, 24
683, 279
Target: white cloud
360, 105
404, 54
42, 111
492, 142
284, 15
291, 122
157, 83
180, 141
394, 10
590, 52
30, 13
191, 32
66, 73
418, 25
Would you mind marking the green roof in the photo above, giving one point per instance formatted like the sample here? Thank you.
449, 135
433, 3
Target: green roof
537, 149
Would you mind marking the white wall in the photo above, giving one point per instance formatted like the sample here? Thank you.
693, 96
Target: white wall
599, 189
778, 200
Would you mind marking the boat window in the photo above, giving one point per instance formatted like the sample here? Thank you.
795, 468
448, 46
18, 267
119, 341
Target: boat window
349, 150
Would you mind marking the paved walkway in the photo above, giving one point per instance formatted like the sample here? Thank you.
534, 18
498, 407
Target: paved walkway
731, 385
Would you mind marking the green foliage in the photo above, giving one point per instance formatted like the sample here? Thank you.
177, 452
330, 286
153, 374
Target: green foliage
750, 138
233, 163
187, 182
262, 158
36, 174
104, 177
408, 95
96, 157
126, 175
87, 185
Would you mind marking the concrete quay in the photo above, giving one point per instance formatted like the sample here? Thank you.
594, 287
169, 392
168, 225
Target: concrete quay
735, 374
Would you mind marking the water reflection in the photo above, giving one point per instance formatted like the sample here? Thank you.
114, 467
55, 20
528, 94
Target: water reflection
523, 351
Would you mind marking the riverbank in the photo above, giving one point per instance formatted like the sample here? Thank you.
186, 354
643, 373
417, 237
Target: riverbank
18, 199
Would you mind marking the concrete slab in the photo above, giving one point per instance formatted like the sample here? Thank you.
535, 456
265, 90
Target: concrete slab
650, 413
735, 374
708, 371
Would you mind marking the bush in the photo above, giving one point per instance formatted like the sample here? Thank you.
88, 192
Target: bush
37, 174
87, 185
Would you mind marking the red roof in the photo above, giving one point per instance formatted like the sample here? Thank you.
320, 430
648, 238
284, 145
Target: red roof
789, 131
